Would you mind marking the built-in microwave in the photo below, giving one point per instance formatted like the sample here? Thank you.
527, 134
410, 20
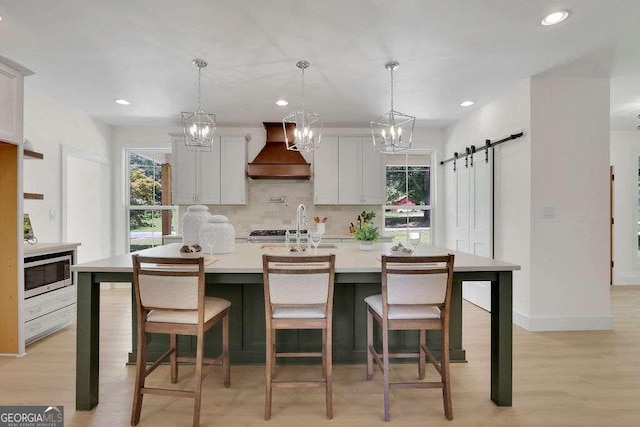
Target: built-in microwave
46, 273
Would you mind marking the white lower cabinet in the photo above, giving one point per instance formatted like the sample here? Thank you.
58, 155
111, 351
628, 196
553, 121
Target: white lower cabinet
47, 313
210, 177
348, 171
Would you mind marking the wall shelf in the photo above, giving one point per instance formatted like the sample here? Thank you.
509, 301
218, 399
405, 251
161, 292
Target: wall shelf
28, 154
34, 196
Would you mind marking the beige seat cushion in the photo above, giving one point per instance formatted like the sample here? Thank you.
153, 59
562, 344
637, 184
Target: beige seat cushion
212, 307
402, 313
299, 313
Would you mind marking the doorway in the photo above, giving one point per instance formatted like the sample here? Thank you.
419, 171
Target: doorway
85, 203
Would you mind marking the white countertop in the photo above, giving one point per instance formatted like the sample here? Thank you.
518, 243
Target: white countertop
47, 248
247, 258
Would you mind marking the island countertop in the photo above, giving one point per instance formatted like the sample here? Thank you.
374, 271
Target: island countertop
247, 258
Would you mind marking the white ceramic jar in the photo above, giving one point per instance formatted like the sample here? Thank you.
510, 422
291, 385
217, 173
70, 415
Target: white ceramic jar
192, 220
217, 235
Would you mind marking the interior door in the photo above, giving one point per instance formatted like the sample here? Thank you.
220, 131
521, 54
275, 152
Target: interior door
480, 226
461, 208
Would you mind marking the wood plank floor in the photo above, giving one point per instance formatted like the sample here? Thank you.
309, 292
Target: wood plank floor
560, 379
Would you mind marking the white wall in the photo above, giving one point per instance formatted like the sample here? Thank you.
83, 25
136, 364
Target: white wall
570, 203
50, 124
506, 115
256, 212
552, 197
625, 152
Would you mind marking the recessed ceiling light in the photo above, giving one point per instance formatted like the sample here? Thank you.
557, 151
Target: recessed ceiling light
467, 103
122, 101
555, 17
282, 102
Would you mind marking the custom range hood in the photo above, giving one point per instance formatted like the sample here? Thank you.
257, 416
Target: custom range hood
274, 161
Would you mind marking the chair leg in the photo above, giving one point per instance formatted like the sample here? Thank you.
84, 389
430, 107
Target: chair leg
328, 368
226, 363
269, 373
324, 353
385, 370
141, 367
273, 352
369, 344
173, 345
421, 354
444, 367
198, 388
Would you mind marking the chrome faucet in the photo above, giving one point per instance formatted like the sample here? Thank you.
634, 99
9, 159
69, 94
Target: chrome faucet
301, 210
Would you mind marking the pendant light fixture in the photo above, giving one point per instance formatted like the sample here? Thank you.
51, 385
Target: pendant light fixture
308, 125
393, 131
199, 125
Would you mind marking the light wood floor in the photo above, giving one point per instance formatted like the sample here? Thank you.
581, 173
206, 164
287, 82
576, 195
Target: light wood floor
560, 379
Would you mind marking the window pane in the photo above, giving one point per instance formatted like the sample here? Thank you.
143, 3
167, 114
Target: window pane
396, 184
145, 228
418, 184
398, 222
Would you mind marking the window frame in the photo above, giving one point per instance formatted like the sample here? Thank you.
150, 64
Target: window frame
431, 164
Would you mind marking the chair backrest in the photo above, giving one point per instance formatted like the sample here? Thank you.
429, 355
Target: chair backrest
298, 281
168, 283
417, 280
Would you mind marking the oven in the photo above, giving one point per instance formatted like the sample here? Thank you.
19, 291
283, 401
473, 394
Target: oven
46, 273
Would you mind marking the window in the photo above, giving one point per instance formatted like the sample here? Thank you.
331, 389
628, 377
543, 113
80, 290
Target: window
151, 214
408, 196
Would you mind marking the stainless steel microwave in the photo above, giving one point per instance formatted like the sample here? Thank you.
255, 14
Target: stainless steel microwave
44, 274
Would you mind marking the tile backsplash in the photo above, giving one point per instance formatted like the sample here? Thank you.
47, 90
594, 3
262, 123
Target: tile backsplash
260, 213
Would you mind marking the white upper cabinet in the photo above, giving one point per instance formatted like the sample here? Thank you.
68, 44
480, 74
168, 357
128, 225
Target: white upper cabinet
233, 170
325, 172
210, 177
11, 104
348, 171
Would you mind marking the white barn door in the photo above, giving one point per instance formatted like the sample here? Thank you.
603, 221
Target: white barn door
480, 226
461, 208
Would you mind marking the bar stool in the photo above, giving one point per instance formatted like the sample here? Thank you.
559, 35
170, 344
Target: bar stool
298, 294
170, 300
416, 295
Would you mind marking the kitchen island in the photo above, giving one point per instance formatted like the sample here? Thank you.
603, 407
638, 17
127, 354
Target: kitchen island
238, 278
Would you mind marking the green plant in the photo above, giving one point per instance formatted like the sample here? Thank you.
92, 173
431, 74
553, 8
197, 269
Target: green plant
368, 233
367, 217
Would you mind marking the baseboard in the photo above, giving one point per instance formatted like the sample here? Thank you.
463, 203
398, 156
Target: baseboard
12, 354
626, 281
540, 324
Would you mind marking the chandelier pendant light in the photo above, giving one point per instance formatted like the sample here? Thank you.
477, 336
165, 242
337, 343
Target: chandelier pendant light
308, 125
393, 131
198, 126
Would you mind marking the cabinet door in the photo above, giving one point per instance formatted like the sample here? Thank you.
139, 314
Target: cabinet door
233, 165
373, 191
208, 189
325, 172
11, 105
184, 173
350, 170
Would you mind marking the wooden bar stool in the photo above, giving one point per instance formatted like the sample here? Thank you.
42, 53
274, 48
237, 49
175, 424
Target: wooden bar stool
298, 294
416, 295
170, 300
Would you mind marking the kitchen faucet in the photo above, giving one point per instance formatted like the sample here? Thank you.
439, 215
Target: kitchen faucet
301, 210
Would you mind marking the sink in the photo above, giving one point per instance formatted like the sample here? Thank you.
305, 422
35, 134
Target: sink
283, 245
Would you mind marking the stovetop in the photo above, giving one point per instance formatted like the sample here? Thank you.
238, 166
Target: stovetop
269, 235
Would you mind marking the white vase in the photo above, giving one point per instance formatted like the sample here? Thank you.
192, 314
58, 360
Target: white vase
192, 220
217, 235
366, 245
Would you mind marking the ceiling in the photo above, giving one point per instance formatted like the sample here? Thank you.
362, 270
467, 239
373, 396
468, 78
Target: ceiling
87, 53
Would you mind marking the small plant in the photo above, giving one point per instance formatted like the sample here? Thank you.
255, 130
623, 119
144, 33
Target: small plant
368, 233
367, 217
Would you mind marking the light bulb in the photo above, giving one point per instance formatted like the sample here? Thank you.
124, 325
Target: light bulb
392, 131
383, 133
310, 135
306, 131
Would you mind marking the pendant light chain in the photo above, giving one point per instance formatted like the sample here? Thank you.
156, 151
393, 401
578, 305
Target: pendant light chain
392, 88
199, 88
303, 87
